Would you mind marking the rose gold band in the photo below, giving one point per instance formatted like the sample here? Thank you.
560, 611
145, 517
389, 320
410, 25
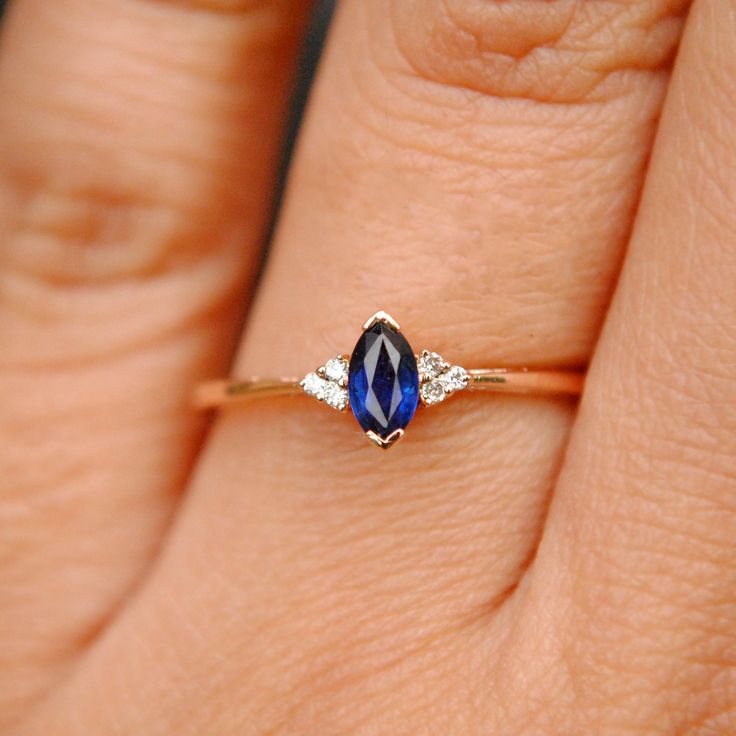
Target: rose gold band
221, 394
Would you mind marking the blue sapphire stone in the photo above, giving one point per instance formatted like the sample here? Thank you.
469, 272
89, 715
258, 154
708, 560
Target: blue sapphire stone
383, 381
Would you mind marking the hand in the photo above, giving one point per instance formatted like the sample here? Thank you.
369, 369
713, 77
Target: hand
516, 566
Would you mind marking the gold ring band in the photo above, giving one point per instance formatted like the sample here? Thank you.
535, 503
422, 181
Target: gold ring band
383, 382
221, 394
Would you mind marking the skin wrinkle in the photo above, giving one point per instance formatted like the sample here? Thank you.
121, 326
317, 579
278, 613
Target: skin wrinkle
471, 109
518, 161
93, 250
421, 704
714, 725
402, 518
213, 86
510, 65
319, 680
313, 684
518, 53
79, 105
185, 329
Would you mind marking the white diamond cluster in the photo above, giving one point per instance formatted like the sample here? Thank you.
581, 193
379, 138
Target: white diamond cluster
438, 379
329, 383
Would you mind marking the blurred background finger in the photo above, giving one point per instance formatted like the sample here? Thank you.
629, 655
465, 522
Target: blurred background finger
137, 149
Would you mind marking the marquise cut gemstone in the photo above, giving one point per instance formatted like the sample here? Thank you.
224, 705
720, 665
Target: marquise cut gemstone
383, 381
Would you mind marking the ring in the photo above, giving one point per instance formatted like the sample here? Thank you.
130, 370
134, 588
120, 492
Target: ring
384, 382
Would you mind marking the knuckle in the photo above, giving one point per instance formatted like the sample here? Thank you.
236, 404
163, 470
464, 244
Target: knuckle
420, 113
130, 178
562, 52
76, 259
74, 230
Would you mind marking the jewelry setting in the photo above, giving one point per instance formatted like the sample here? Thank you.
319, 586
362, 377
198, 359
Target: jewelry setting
383, 382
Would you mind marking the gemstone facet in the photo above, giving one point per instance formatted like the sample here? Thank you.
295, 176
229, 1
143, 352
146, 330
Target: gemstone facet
383, 381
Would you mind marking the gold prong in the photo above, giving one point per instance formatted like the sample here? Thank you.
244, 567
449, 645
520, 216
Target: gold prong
385, 443
384, 318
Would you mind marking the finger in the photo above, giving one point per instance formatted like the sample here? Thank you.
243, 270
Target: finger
644, 519
486, 208
484, 203
137, 143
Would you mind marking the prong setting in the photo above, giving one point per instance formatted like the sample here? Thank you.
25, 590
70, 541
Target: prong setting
434, 378
385, 442
384, 318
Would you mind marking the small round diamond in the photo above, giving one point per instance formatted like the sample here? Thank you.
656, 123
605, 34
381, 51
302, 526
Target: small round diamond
337, 370
430, 365
432, 392
313, 385
455, 379
335, 396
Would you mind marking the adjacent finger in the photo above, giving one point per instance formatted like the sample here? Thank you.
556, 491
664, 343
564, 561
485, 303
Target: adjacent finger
643, 528
137, 145
458, 170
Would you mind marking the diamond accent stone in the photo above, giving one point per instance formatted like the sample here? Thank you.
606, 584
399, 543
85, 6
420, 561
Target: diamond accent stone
439, 379
336, 370
329, 383
430, 365
335, 395
454, 379
313, 385
433, 392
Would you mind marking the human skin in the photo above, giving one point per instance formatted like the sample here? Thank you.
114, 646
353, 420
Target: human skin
518, 183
